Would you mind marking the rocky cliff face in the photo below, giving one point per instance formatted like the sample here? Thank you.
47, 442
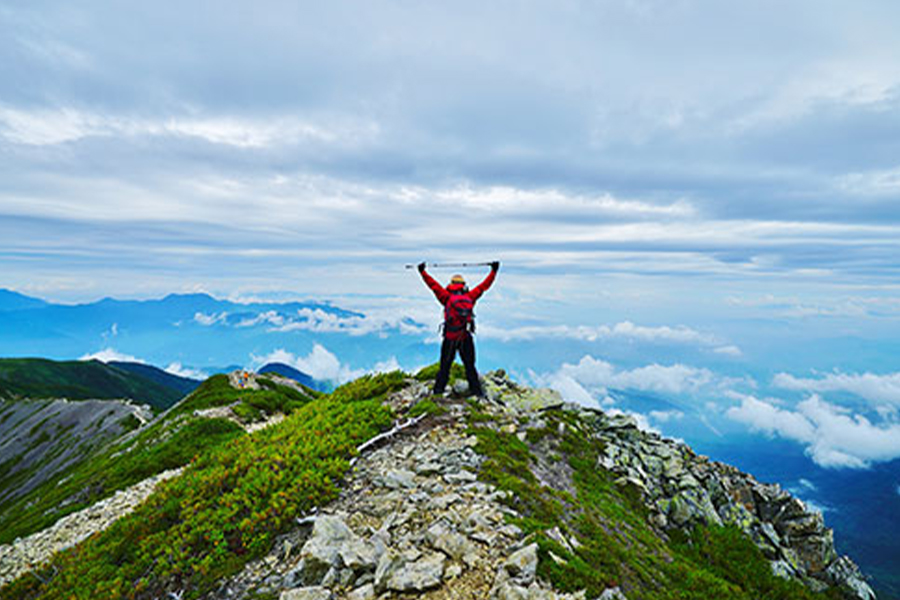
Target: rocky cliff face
682, 489
40, 438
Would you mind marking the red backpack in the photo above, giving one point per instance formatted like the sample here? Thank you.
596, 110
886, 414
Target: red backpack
458, 314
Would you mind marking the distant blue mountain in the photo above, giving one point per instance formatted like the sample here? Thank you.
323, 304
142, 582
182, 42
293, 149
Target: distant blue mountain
191, 329
292, 373
10, 300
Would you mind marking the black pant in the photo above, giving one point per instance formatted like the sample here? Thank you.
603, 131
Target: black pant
466, 348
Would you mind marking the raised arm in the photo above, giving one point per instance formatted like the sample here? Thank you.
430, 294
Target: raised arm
439, 292
482, 287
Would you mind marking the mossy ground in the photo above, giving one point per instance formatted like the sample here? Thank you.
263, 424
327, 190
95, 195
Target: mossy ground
225, 509
606, 540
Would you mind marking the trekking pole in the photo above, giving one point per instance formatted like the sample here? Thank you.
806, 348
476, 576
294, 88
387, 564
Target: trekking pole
451, 265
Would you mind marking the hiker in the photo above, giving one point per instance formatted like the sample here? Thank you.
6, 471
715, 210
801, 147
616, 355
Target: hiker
459, 324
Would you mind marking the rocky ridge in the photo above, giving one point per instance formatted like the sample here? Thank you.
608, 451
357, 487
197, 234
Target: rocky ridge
413, 520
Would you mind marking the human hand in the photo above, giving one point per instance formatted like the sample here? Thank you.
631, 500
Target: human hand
421, 267
495, 266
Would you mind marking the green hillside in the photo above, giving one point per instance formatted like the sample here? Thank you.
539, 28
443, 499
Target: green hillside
79, 380
226, 507
173, 440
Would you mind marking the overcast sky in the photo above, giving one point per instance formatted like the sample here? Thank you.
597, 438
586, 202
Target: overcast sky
724, 171
167, 145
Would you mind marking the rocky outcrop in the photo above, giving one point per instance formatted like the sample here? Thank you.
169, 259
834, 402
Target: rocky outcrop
681, 488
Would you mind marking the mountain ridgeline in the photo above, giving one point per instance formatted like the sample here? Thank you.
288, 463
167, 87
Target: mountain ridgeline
260, 487
36, 378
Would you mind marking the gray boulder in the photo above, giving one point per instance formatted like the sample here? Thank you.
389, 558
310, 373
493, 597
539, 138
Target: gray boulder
307, 593
522, 564
321, 553
422, 574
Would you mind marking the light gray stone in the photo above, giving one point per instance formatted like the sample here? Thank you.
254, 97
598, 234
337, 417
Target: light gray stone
845, 573
357, 554
363, 592
451, 543
522, 564
398, 479
460, 477
422, 574
307, 593
321, 553
389, 562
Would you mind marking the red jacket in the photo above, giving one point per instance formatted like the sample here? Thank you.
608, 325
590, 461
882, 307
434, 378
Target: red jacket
443, 295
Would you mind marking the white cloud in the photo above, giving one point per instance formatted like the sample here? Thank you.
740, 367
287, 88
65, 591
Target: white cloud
872, 387
45, 127
210, 319
321, 321
675, 379
322, 364
625, 330
587, 382
498, 199
664, 416
597, 373
871, 183
270, 317
572, 391
42, 127
176, 368
112, 355
768, 418
833, 437
808, 485
730, 350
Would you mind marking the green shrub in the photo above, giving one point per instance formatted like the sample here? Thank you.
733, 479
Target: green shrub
426, 407
370, 387
430, 372
130, 423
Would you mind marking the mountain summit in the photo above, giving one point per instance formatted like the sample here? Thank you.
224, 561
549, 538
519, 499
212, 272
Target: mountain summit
380, 490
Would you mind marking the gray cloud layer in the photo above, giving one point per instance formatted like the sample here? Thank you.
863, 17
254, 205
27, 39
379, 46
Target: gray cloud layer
658, 138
